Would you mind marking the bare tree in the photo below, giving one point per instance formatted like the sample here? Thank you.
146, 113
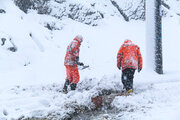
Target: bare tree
120, 10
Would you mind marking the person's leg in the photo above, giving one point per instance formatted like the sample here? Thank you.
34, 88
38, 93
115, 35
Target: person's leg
130, 77
68, 78
75, 77
124, 79
73, 86
66, 85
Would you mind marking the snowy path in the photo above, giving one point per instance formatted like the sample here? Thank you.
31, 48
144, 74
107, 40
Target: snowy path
149, 102
154, 102
166, 106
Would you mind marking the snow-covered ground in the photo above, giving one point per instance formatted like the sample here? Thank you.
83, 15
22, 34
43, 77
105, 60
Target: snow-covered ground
31, 78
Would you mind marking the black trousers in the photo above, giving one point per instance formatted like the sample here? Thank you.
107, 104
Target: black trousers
72, 85
127, 78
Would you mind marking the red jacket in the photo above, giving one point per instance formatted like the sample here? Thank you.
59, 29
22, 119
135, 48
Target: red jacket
129, 56
72, 52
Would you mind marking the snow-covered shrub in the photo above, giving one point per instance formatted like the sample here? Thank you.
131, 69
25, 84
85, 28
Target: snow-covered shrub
24, 5
91, 11
83, 14
7, 42
60, 8
87, 12
38, 5
2, 11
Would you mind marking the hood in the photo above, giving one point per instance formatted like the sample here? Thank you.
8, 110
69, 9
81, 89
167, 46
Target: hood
79, 38
127, 41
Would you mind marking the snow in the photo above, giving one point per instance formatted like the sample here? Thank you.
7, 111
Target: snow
32, 76
174, 4
150, 34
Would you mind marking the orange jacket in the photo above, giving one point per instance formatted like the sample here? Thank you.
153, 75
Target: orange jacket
129, 56
72, 52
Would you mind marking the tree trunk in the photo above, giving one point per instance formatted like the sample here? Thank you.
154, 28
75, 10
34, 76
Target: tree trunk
120, 10
158, 38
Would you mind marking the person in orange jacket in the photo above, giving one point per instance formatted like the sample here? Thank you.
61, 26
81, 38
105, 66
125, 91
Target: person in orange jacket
129, 59
71, 61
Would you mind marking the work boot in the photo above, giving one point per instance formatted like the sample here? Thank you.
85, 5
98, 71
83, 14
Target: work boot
73, 86
65, 86
128, 92
64, 91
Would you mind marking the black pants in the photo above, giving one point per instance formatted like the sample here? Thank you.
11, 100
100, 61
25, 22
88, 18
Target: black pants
127, 78
72, 85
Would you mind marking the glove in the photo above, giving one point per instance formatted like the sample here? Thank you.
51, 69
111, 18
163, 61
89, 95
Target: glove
77, 59
119, 68
81, 64
139, 69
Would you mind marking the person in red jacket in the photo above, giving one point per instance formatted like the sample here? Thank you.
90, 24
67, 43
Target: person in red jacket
71, 61
129, 59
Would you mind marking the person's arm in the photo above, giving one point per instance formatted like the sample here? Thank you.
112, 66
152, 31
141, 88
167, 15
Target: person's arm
140, 61
76, 54
119, 57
